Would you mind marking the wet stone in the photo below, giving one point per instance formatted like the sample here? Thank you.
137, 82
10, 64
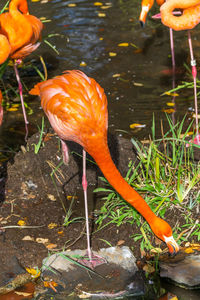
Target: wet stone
185, 272
116, 278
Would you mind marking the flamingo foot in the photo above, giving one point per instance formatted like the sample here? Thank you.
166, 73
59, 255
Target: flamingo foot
195, 141
92, 260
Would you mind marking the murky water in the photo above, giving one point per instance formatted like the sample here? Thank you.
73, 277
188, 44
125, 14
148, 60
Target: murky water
88, 38
89, 35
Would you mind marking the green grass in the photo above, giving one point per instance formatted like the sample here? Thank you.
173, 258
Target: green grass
167, 176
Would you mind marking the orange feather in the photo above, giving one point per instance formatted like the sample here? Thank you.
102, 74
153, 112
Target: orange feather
76, 107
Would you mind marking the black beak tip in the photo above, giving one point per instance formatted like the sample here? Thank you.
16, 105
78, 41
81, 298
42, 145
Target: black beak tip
142, 24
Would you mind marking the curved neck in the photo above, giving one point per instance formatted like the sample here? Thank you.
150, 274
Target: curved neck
18, 6
101, 154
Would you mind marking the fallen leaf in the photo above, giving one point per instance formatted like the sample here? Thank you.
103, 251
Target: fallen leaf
52, 225
169, 110
106, 6
139, 50
112, 54
83, 64
60, 232
50, 283
23, 294
71, 4
34, 272
189, 250
194, 116
51, 246
138, 84
171, 94
120, 242
28, 238
51, 197
12, 109
42, 240
148, 268
123, 44
170, 104
21, 223
137, 125
98, 3
101, 15
116, 75
69, 197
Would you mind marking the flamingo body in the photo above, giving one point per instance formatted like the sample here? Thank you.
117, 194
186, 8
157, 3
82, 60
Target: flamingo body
76, 106
20, 31
188, 20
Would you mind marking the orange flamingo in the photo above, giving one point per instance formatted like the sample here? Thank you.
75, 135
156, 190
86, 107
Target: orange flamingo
19, 35
76, 107
189, 18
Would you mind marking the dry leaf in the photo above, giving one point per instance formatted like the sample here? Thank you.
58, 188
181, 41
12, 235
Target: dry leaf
138, 84
34, 272
123, 44
83, 64
50, 283
23, 294
116, 75
21, 223
171, 94
112, 54
69, 197
12, 109
51, 197
120, 242
189, 250
60, 232
52, 225
101, 15
148, 268
170, 103
51, 246
42, 240
137, 125
71, 4
28, 238
98, 3
169, 110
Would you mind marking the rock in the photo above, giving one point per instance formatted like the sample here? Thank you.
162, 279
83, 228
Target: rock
184, 272
119, 276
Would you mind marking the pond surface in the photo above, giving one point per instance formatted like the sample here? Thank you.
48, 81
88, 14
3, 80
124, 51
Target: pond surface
87, 38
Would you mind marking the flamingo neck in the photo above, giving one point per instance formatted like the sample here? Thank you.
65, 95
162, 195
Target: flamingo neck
18, 6
101, 155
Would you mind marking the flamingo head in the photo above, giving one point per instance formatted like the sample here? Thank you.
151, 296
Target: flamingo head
164, 232
146, 6
23, 7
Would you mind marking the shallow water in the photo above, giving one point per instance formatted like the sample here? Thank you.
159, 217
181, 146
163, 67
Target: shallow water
87, 34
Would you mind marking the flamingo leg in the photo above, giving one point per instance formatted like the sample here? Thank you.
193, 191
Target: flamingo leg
65, 153
194, 74
21, 97
173, 66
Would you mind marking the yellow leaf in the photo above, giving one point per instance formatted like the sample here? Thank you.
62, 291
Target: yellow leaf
21, 223
22, 294
42, 240
138, 84
35, 0
116, 75
34, 272
101, 15
16, 105
83, 64
43, 18
112, 54
52, 225
51, 246
51, 197
170, 104
101, 38
98, 3
106, 6
194, 116
123, 44
12, 109
49, 283
71, 5
171, 94
136, 125
189, 250
71, 197
169, 111
60, 232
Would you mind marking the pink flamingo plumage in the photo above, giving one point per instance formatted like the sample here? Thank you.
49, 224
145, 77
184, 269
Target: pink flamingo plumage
76, 107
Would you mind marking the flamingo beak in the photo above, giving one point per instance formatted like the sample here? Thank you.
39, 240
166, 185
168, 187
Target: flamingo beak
172, 245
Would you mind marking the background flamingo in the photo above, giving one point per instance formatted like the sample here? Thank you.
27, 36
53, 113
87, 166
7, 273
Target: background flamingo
19, 34
76, 107
188, 20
